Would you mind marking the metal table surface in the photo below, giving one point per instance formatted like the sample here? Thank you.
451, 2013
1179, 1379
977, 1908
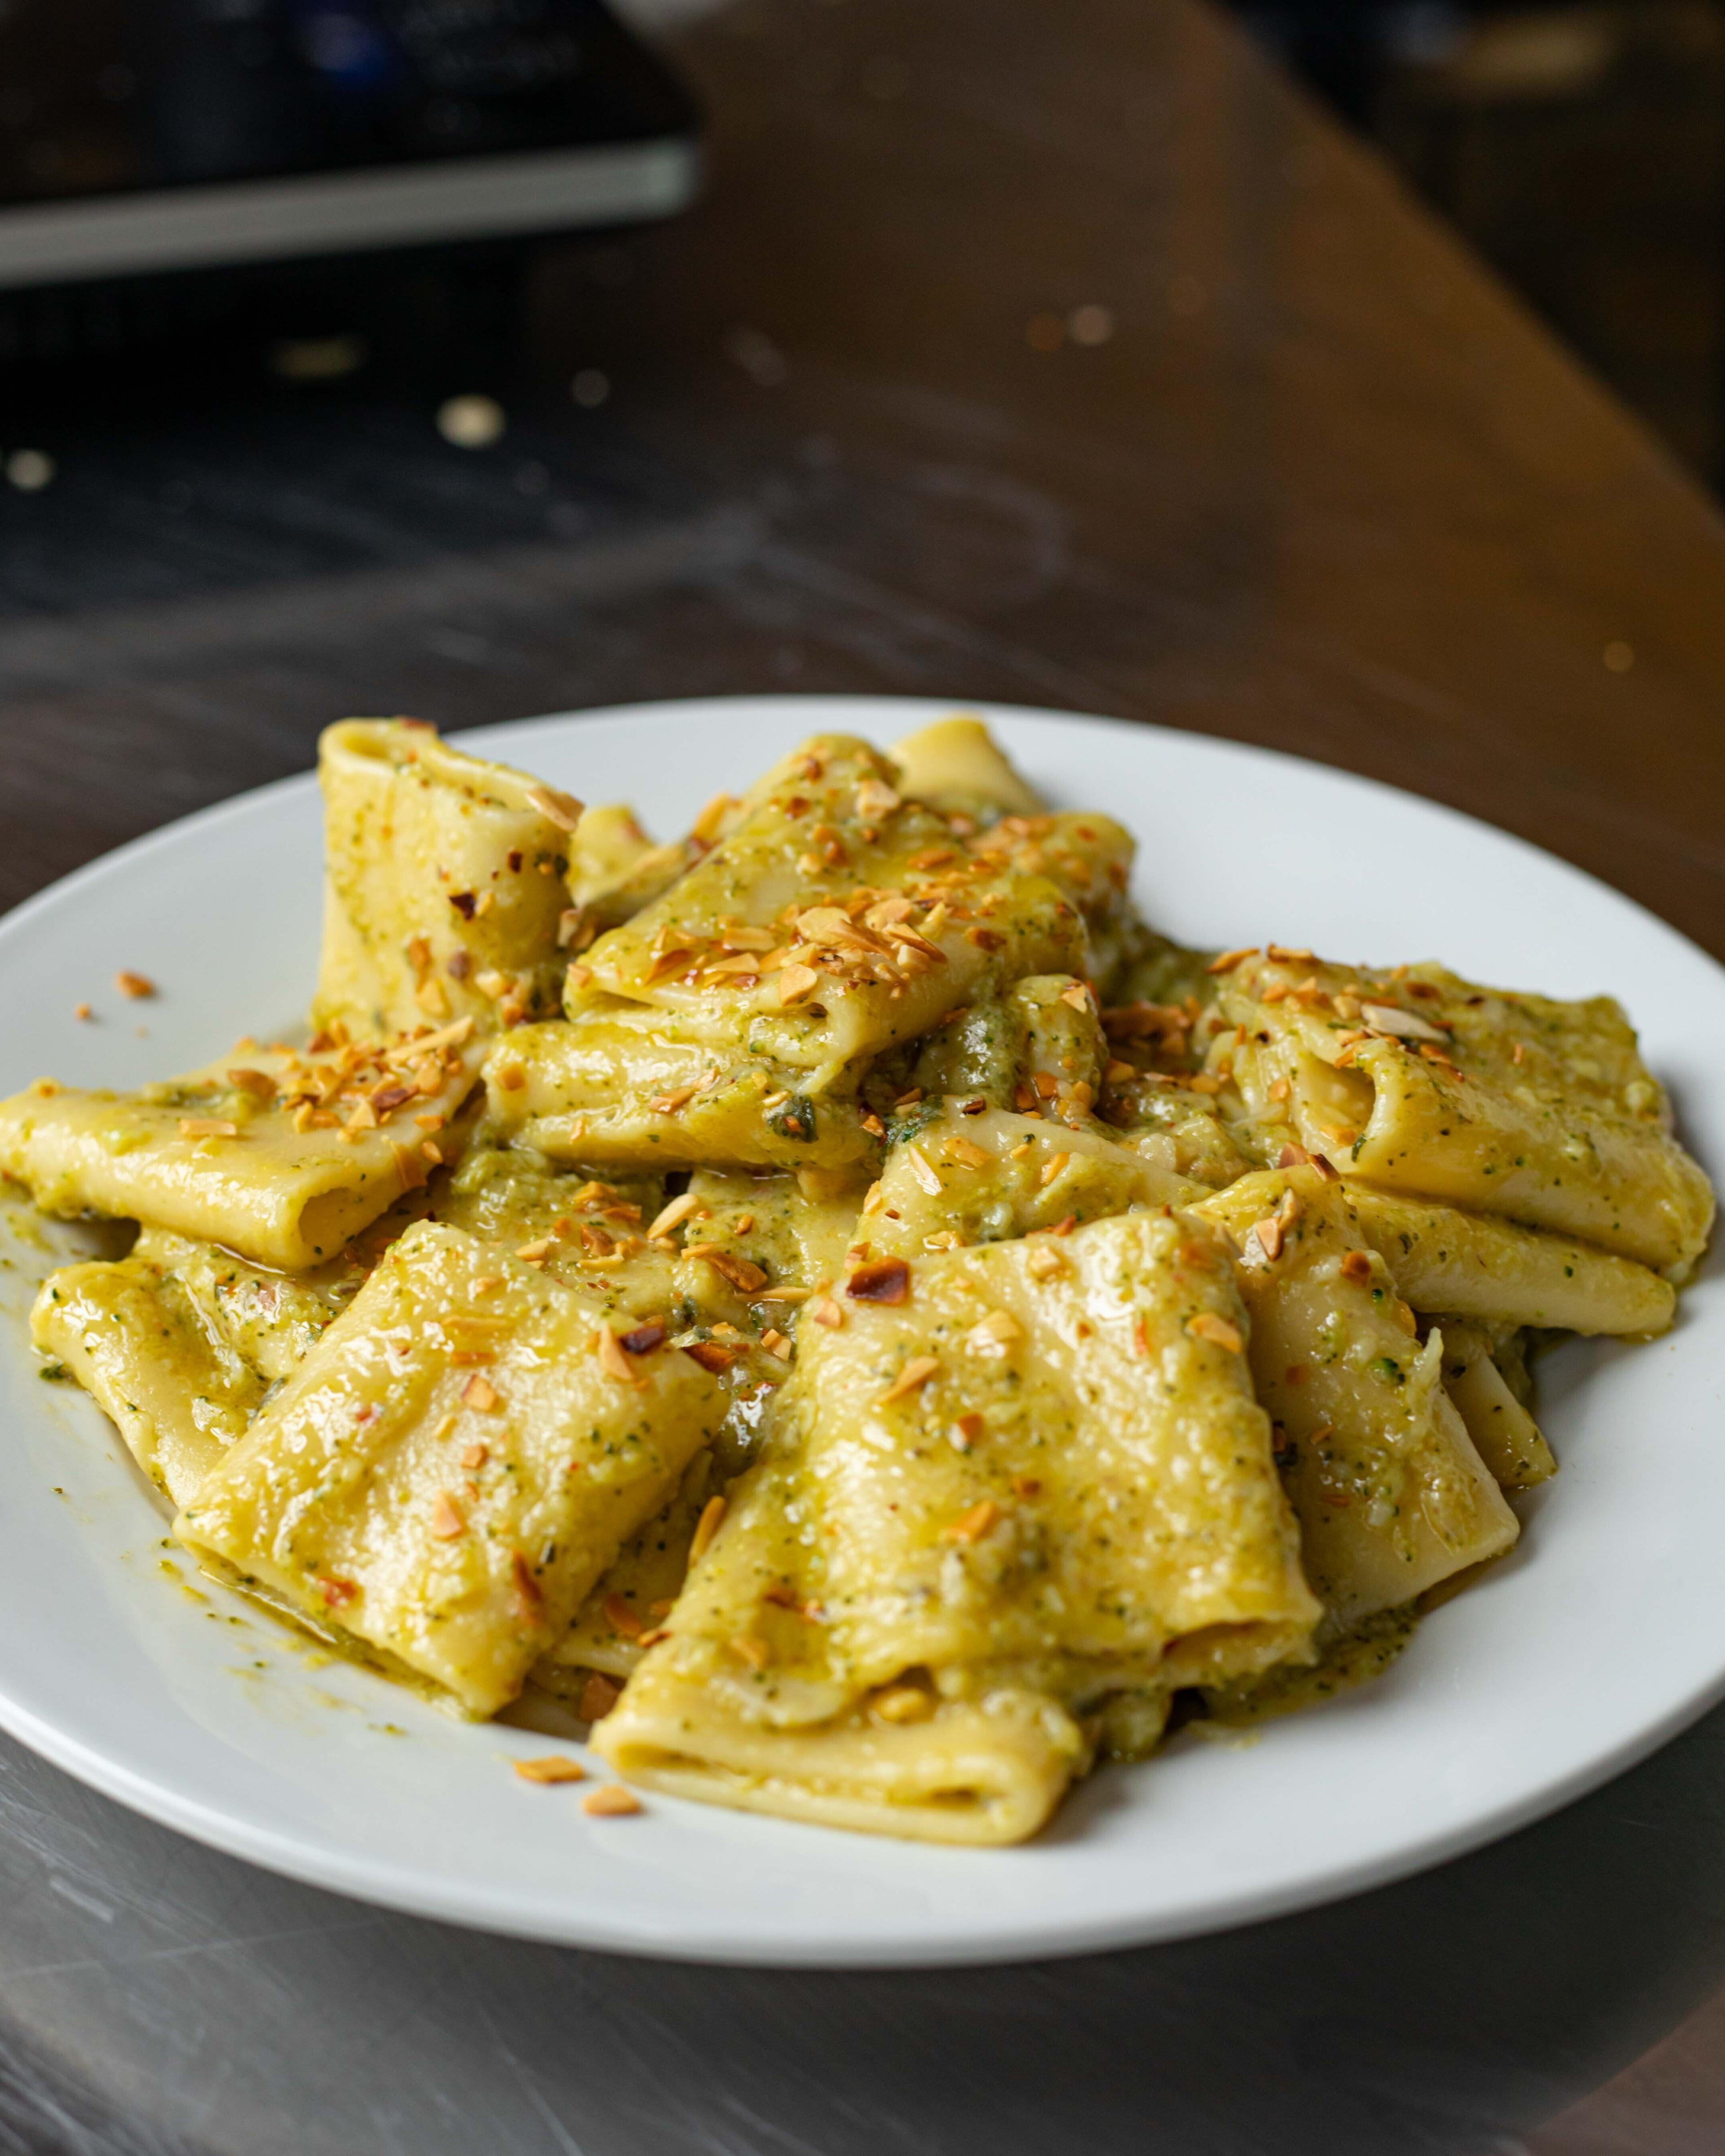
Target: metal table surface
1310, 479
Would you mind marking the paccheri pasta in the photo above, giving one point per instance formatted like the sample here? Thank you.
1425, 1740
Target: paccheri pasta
836, 1302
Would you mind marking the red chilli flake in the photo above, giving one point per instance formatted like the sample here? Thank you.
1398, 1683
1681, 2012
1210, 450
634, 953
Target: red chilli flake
885, 1279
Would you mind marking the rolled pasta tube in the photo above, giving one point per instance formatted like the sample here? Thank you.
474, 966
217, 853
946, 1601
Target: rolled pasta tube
620, 1087
837, 920
444, 881
135, 1340
1501, 1103
453, 1466
1030, 1483
955, 763
1504, 1434
281, 1156
964, 1178
1391, 1495
1478, 1266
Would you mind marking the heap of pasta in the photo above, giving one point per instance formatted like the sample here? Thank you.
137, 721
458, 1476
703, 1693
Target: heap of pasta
836, 1302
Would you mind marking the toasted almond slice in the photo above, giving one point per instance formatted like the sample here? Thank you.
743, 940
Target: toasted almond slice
534, 1254
610, 1800
622, 1618
557, 808
613, 1358
925, 1170
916, 1373
967, 1152
674, 1214
1080, 996
599, 1696
1051, 1168
712, 1519
1207, 1325
797, 982
1385, 1018
558, 1767
972, 1526
1226, 960
446, 1520
749, 1647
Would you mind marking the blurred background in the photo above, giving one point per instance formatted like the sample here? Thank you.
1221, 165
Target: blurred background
1580, 149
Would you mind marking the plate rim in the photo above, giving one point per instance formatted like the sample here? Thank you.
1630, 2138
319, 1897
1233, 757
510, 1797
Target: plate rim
358, 1876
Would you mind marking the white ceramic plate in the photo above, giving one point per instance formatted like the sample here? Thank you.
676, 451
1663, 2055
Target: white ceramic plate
1603, 1635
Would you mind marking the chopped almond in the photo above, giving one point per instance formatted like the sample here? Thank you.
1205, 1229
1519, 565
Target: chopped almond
1227, 961
137, 986
972, 1526
825, 1311
776, 1343
881, 1280
558, 1767
748, 1648
1051, 1168
1357, 1265
995, 1335
479, 1394
966, 1153
1044, 1261
965, 1432
206, 1126
1218, 1331
535, 1254
622, 1618
916, 1373
446, 1520
1080, 996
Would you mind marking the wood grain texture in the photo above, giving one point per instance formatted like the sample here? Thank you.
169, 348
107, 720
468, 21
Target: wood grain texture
1325, 487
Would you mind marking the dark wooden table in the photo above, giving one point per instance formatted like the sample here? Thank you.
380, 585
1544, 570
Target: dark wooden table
1056, 354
